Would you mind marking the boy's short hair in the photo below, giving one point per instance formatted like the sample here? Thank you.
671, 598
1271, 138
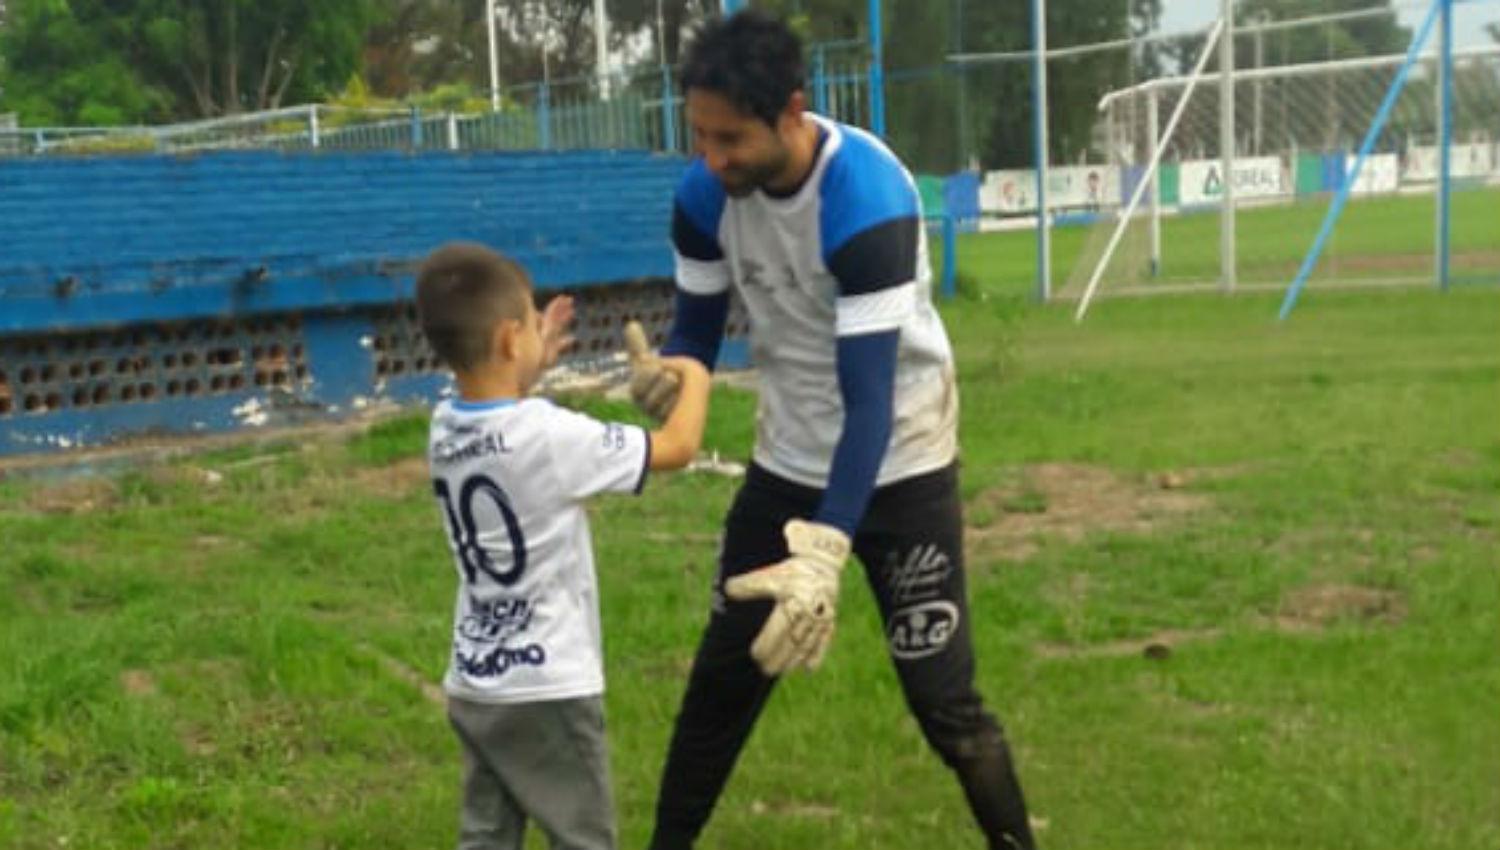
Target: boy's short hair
464, 290
751, 58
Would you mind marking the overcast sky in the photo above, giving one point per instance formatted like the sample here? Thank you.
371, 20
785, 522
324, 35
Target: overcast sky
1468, 21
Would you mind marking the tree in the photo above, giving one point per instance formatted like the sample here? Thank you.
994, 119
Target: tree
418, 45
60, 70
1372, 36
119, 61
939, 116
421, 44
1074, 84
226, 56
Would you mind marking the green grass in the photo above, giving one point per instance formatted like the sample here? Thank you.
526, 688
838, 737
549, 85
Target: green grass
221, 665
1377, 238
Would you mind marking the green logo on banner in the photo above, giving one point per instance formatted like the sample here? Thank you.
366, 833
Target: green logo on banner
1213, 184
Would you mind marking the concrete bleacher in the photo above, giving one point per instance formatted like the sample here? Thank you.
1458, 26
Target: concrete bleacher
169, 294
202, 234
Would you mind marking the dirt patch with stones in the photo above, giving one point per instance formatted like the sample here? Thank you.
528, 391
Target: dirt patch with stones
1070, 501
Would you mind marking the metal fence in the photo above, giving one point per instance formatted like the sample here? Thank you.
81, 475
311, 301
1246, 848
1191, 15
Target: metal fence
641, 110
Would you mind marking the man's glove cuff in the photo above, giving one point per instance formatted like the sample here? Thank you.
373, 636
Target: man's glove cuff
816, 541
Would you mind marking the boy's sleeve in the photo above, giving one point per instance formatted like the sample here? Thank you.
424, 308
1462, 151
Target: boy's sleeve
591, 457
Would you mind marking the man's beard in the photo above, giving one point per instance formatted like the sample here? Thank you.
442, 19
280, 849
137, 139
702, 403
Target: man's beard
744, 182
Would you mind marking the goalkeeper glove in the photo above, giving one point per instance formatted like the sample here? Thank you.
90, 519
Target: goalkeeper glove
653, 388
805, 588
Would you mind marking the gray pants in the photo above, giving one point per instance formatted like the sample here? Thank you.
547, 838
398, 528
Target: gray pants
543, 760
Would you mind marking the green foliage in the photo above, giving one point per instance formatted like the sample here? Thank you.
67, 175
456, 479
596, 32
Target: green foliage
109, 143
95, 62
62, 68
452, 97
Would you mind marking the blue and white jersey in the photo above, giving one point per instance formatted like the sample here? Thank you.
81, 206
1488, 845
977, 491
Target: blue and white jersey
845, 255
511, 479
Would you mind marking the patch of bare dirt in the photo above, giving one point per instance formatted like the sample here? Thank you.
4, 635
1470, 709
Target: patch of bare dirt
74, 496
1070, 501
198, 742
138, 683
394, 480
1423, 555
1319, 606
1157, 647
1303, 610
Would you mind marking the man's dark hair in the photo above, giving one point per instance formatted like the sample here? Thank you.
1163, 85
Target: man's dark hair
464, 290
751, 58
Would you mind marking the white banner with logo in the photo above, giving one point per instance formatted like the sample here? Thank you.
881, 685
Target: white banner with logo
1380, 173
1420, 164
1202, 180
1069, 187
1086, 187
1008, 192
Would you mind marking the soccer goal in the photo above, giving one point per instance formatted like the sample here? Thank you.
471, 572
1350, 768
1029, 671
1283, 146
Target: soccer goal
1299, 129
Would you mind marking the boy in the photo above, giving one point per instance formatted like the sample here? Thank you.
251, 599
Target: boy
525, 681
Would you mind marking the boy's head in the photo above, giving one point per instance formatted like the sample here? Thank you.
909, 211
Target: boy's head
476, 311
742, 80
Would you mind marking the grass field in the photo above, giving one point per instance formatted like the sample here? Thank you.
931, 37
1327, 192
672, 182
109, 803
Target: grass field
1235, 585
1376, 239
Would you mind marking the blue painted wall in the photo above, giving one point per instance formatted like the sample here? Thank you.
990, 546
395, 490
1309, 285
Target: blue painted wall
178, 294
89, 241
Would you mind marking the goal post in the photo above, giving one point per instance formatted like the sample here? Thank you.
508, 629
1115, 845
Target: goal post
1427, 151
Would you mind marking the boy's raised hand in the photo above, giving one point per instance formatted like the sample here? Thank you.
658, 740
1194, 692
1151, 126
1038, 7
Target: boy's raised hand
556, 319
653, 387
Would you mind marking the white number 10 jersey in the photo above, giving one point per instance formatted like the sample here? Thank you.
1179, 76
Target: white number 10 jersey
510, 479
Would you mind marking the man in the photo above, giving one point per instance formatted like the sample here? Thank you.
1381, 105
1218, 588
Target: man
818, 227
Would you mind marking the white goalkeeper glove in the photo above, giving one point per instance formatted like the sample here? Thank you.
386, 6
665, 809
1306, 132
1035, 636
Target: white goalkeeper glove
653, 388
805, 588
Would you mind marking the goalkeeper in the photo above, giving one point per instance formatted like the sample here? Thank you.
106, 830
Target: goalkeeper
817, 226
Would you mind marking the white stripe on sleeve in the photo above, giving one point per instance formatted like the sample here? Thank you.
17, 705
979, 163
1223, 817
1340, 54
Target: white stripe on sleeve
883, 310
701, 277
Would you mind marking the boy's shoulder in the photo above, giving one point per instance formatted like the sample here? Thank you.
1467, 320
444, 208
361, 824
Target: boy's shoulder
456, 408
556, 424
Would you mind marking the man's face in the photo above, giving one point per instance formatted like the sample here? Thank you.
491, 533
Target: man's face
741, 150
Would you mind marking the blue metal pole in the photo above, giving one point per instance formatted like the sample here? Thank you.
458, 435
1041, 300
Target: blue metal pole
820, 79
877, 71
950, 256
416, 128
668, 111
1445, 148
544, 116
1039, 152
1342, 197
